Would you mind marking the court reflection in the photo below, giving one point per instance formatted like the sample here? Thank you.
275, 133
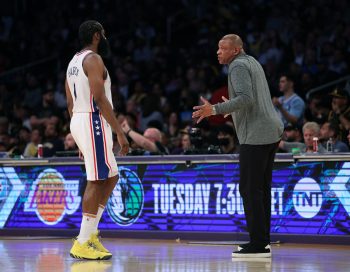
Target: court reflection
50, 258
43, 255
91, 266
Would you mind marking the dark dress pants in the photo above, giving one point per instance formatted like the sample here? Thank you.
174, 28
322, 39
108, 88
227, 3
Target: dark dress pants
256, 164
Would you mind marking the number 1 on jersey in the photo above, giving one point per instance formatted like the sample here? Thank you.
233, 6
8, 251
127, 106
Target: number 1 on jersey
75, 92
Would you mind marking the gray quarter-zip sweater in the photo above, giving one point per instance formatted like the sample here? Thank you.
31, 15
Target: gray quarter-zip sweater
255, 118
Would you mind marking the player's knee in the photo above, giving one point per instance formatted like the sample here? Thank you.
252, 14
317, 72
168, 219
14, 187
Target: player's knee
95, 182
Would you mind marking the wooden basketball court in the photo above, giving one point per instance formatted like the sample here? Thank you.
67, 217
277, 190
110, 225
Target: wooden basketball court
35, 254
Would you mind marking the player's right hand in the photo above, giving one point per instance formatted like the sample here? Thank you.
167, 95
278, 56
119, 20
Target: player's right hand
124, 144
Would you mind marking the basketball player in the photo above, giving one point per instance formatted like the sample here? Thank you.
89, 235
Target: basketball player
259, 129
89, 100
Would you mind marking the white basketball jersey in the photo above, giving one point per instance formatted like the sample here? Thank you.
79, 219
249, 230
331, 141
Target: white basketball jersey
83, 100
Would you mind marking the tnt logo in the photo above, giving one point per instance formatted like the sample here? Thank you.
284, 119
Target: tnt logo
307, 197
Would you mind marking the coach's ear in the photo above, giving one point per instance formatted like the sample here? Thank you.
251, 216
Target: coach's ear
236, 51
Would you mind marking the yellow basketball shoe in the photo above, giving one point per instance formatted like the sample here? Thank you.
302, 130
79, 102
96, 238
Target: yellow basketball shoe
95, 240
87, 251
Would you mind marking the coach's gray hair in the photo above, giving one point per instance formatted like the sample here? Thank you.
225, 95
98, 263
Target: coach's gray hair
234, 39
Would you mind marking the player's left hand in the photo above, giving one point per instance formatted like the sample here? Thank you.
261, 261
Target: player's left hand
124, 144
202, 111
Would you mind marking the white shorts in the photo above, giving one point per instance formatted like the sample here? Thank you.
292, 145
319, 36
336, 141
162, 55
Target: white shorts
93, 136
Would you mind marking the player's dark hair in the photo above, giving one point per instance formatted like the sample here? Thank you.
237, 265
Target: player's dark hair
87, 30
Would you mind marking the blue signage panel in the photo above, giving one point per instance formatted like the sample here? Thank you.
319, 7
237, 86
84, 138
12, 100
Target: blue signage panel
307, 198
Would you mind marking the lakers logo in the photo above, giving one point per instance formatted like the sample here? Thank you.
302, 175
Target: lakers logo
52, 197
126, 202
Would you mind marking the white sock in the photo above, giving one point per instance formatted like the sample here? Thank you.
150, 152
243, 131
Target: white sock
100, 211
86, 228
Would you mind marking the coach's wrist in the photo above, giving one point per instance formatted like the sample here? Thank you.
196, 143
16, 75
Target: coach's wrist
213, 110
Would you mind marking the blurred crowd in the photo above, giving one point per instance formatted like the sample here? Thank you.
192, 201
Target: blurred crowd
163, 59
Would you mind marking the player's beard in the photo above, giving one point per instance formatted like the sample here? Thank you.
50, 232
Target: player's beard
104, 49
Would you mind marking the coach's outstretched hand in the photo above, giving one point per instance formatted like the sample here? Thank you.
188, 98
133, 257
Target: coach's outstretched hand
202, 111
124, 144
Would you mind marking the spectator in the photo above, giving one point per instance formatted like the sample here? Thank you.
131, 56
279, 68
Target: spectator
310, 130
292, 134
31, 149
176, 136
227, 139
138, 93
186, 146
21, 142
310, 62
290, 106
329, 130
5, 139
132, 107
340, 113
173, 125
52, 143
21, 115
150, 111
150, 141
69, 143
132, 120
316, 110
123, 83
185, 142
46, 110
32, 92
338, 63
